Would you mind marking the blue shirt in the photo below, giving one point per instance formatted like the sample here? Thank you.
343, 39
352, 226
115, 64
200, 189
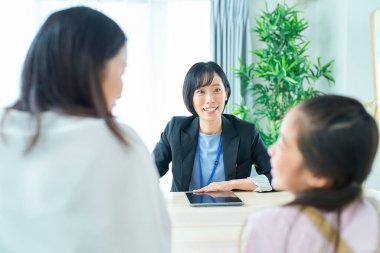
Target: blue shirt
208, 148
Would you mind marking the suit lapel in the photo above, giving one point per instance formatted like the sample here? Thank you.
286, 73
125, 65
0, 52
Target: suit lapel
189, 142
230, 146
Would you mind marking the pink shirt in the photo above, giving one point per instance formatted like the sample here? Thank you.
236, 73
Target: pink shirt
285, 229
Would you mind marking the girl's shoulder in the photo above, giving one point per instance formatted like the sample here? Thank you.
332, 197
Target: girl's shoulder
358, 223
275, 215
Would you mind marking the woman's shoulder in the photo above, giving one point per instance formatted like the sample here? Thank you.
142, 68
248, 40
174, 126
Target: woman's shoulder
182, 119
239, 124
181, 122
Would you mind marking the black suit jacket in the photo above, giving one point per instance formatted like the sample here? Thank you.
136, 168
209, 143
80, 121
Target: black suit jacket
241, 145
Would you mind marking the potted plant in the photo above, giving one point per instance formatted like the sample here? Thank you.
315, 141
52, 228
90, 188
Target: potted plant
283, 76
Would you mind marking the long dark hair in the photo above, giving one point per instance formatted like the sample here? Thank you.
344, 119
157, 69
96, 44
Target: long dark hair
338, 140
63, 69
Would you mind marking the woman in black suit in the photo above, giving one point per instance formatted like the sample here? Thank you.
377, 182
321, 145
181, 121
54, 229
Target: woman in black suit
211, 151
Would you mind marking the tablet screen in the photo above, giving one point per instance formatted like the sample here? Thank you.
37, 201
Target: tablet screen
227, 198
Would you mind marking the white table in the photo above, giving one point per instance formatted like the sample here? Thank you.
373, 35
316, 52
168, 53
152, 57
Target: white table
214, 229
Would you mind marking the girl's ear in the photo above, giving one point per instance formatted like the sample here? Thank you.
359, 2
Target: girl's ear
319, 181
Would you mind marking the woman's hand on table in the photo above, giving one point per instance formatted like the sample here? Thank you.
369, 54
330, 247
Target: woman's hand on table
236, 184
216, 186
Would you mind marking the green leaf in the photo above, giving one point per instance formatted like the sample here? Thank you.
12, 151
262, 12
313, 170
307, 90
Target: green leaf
303, 48
290, 80
326, 66
329, 77
283, 75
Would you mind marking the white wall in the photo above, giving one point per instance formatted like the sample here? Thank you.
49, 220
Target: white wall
340, 30
353, 67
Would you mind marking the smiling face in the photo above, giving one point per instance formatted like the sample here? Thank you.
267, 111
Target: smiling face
112, 80
209, 101
288, 167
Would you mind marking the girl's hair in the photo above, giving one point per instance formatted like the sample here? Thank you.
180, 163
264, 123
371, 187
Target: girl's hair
63, 69
199, 75
338, 140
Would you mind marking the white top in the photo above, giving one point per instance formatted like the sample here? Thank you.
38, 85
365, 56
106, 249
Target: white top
78, 190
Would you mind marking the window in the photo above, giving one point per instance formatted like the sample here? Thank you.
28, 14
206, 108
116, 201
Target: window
165, 37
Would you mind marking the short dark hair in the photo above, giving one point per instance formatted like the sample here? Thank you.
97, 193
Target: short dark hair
64, 67
338, 140
199, 75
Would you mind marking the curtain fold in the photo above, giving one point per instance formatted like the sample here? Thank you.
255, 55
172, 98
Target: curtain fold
230, 40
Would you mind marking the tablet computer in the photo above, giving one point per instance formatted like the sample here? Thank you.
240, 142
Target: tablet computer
225, 198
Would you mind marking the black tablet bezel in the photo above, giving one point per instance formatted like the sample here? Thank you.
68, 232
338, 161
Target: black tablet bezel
231, 199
